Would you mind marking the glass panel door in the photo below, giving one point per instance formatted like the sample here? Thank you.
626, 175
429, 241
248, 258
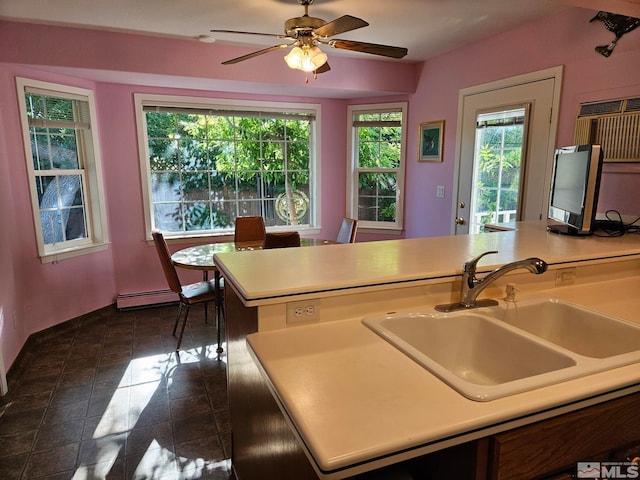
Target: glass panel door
490, 113
499, 154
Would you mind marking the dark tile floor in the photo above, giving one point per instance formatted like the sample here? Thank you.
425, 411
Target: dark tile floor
105, 396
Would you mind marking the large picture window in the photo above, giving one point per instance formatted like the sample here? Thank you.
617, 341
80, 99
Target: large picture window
377, 164
204, 165
64, 168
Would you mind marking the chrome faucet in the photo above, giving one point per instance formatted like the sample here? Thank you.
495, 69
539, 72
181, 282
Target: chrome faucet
472, 286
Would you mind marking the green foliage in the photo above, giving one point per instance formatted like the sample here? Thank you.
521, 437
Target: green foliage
498, 178
53, 147
218, 161
379, 148
50, 108
207, 169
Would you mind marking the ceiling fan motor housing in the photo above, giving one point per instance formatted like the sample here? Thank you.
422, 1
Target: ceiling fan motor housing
302, 25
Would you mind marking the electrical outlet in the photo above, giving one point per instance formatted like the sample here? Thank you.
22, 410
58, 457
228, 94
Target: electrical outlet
565, 276
304, 311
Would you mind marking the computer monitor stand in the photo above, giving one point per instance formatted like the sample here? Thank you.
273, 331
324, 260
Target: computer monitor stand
567, 230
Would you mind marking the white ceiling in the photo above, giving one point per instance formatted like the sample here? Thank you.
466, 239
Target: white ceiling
425, 27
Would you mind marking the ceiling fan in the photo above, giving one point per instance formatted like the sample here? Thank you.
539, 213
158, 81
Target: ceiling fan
304, 34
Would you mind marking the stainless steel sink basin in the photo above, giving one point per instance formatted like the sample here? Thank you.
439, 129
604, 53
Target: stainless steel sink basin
573, 327
474, 354
488, 353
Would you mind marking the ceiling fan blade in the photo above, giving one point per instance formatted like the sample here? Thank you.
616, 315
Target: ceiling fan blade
372, 48
247, 33
255, 54
323, 68
346, 23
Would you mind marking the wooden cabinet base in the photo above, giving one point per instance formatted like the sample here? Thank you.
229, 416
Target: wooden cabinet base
558, 444
263, 446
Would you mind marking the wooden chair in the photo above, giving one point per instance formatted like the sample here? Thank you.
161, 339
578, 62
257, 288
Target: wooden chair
249, 229
281, 240
347, 232
192, 294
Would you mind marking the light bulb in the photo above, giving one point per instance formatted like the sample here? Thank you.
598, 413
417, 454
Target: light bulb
307, 59
294, 58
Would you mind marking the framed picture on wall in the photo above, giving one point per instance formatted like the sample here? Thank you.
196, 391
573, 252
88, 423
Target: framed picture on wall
430, 136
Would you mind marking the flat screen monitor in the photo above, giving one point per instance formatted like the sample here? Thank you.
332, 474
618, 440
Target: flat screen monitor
575, 184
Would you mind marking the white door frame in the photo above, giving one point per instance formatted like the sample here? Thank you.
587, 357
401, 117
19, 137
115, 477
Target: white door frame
549, 73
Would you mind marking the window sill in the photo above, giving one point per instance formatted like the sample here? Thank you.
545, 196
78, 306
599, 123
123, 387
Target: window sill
73, 252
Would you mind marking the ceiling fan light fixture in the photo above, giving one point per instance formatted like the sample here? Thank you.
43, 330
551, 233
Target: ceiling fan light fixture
305, 58
303, 34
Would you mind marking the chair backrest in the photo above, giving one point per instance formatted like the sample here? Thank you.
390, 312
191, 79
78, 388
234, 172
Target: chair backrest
168, 267
281, 240
249, 229
347, 232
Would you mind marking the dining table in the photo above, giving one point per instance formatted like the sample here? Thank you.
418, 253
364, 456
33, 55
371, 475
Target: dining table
200, 257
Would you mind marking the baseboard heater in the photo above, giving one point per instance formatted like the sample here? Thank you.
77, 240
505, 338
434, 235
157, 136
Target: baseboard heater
145, 299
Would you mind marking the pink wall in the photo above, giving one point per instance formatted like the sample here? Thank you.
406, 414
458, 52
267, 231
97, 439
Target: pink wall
10, 339
35, 295
566, 39
117, 65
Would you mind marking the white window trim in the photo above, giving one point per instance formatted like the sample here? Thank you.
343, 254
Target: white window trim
142, 99
95, 205
387, 228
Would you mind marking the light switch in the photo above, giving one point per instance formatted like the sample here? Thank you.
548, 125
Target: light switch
440, 191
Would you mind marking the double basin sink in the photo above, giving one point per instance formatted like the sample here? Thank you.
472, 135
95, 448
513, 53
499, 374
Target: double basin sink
492, 352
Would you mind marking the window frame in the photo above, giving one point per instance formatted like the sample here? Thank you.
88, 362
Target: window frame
89, 169
142, 100
388, 228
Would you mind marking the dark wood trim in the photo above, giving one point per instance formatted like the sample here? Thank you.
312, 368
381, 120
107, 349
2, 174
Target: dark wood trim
263, 445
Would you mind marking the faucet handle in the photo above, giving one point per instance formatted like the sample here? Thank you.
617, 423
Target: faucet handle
470, 266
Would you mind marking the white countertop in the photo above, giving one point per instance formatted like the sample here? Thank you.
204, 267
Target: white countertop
354, 398
259, 275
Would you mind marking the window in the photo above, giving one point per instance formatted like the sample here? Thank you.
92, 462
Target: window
498, 166
64, 168
206, 162
377, 164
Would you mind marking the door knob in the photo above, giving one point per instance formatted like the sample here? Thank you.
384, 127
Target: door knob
460, 221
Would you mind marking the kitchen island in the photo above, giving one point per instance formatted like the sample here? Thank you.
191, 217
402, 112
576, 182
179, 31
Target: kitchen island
325, 397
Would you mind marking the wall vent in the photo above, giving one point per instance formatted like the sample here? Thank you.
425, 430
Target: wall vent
600, 108
614, 124
633, 105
